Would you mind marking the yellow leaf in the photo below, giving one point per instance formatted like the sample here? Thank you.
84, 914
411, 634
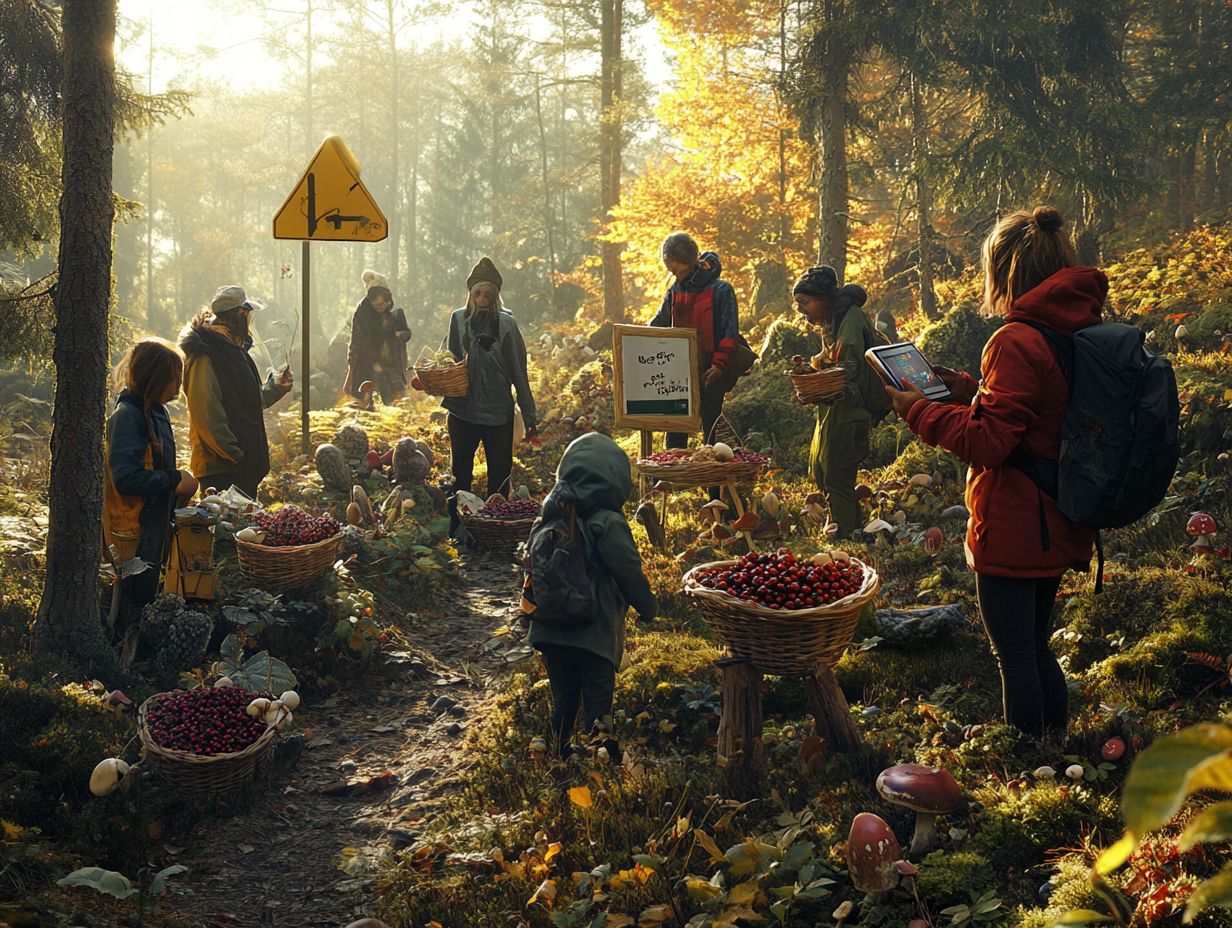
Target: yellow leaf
709, 845
553, 850
743, 894
1112, 858
546, 893
580, 796
655, 915
700, 890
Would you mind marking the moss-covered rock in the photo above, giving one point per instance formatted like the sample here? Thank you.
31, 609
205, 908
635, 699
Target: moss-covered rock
958, 339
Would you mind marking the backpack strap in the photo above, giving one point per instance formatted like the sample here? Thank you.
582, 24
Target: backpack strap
1044, 473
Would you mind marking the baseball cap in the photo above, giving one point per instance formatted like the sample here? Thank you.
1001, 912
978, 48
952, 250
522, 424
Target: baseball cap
231, 297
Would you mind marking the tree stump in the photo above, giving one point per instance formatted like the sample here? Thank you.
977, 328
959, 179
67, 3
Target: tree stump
831, 714
739, 748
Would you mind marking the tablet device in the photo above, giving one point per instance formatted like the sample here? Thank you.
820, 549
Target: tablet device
903, 365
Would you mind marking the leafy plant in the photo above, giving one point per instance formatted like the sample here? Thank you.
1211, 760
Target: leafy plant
111, 883
983, 910
261, 672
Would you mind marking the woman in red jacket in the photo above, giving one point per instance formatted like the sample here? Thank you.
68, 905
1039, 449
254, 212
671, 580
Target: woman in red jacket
1018, 542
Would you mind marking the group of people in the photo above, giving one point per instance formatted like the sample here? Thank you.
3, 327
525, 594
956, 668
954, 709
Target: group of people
1030, 273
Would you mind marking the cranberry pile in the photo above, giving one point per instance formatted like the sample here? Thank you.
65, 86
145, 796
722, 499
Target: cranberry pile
290, 525
782, 581
511, 509
206, 721
745, 456
675, 456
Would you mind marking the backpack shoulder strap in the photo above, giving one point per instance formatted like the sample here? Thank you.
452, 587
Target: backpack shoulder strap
1062, 346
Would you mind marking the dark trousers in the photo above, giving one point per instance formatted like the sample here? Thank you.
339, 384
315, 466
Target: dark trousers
223, 481
578, 678
464, 440
711, 410
1017, 615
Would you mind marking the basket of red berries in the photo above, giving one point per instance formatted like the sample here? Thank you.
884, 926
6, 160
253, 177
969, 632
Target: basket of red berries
205, 740
287, 548
501, 522
785, 613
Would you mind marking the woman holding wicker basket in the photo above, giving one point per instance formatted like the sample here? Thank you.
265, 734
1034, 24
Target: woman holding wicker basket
844, 419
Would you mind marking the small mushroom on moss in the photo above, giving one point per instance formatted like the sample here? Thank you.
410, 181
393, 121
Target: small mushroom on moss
1113, 749
872, 850
932, 540
928, 791
1201, 527
107, 775
1075, 771
1044, 773
716, 508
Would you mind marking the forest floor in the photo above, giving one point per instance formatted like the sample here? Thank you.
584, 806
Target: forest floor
377, 762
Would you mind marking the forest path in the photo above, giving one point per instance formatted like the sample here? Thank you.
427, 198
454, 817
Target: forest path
279, 864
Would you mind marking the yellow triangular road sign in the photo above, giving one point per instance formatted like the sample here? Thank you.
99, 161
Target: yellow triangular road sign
330, 203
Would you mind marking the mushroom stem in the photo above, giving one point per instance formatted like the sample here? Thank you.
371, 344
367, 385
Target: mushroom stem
925, 837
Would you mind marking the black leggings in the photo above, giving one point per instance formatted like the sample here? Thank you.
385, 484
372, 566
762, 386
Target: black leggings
1017, 616
578, 677
464, 440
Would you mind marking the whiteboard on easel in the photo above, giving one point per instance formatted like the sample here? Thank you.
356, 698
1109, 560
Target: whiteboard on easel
656, 385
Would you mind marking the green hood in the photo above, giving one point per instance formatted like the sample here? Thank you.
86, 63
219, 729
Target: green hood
597, 473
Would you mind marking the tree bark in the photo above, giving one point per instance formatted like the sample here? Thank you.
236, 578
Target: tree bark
831, 714
548, 225
832, 217
610, 142
395, 219
923, 206
739, 751
69, 626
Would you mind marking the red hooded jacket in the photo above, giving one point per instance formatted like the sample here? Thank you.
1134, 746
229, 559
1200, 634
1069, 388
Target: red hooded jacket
1022, 400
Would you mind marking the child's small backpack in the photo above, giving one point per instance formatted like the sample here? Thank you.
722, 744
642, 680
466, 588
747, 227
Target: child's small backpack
559, 586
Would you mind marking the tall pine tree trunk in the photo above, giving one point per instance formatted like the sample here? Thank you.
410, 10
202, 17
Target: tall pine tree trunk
68, 624
923, 206
832, 208
548, 225
395, 221
610, 138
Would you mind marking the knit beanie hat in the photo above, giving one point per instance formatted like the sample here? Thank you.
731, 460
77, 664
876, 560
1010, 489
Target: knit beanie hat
819, 281
484, 272
373, 279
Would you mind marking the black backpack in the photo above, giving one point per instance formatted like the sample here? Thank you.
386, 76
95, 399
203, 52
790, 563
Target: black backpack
1119, 438
559, 587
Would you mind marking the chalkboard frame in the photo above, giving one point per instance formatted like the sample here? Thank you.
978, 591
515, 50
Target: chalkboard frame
656, 422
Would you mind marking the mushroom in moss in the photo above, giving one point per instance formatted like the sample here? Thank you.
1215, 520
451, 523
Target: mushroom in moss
932, 540
872, 851
716, 508
927, 791
366, 391
1202, 528
107, 776
881, 529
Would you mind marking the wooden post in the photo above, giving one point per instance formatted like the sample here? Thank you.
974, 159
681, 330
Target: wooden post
306, 365
831, 714
739, 748
647, 451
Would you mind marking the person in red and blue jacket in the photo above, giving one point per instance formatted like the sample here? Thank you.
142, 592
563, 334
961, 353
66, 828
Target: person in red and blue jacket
700, 299
1018, 542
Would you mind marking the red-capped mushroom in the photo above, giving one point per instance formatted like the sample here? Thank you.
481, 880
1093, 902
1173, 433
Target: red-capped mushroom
872, 851
1201, 527
1113, 749
927, 791
932, 540
373, 460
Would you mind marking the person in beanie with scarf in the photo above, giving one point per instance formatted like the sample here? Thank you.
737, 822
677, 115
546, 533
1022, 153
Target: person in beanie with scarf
700, 299
840, 441
379, 334
226, 396
485, 334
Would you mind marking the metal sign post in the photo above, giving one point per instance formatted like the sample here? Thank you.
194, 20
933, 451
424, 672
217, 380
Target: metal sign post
305, 366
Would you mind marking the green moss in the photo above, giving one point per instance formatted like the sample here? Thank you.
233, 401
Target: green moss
949, 877
763, 402
784, 340
1016, 831
958, 339
890, 673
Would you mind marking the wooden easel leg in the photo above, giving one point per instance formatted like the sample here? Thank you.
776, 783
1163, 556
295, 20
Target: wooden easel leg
739, 748
831, 713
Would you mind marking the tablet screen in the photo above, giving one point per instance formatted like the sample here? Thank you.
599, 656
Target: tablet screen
907, 366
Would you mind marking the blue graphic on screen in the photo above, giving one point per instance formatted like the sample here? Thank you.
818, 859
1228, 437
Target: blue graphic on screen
910, 368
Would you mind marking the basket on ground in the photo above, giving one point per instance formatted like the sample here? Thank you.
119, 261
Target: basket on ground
823, 386
700, 473
197, 773
498, 533
293, 567
783, 641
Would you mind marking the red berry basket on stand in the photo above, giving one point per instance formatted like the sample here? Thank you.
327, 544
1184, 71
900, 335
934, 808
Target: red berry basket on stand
298, 549
784, 630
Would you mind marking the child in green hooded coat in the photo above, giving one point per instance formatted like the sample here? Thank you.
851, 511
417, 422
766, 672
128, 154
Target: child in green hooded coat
594, 479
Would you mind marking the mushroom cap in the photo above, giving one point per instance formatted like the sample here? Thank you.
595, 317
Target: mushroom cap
1113, 749
117, 698
746, 522
878, 525
367, 386
920, 788
716, 504
107, 775
872, 850
1200, 524
290, 699
920, 480
863, 492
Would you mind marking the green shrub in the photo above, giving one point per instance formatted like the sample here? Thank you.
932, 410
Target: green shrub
958, 339
949, 877
784, 340
763, 402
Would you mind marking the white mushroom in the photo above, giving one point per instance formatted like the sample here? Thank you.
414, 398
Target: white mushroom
1074, 771
770, 503
258, 706
107, 775
1044, 773
723, 451
290, 699
920, 480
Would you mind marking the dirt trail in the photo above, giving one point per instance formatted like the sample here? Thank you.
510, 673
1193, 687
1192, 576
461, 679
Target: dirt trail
278, 865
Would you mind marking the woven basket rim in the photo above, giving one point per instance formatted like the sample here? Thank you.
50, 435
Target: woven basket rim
471, 518
290, 549
187, 757
869, 586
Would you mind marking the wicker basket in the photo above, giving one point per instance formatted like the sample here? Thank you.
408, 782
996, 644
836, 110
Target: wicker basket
217, 773
294, 567
823, 386
442, 381
498, 533
700, 473
783, 641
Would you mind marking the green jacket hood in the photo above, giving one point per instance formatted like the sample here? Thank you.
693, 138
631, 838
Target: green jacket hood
597, 472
